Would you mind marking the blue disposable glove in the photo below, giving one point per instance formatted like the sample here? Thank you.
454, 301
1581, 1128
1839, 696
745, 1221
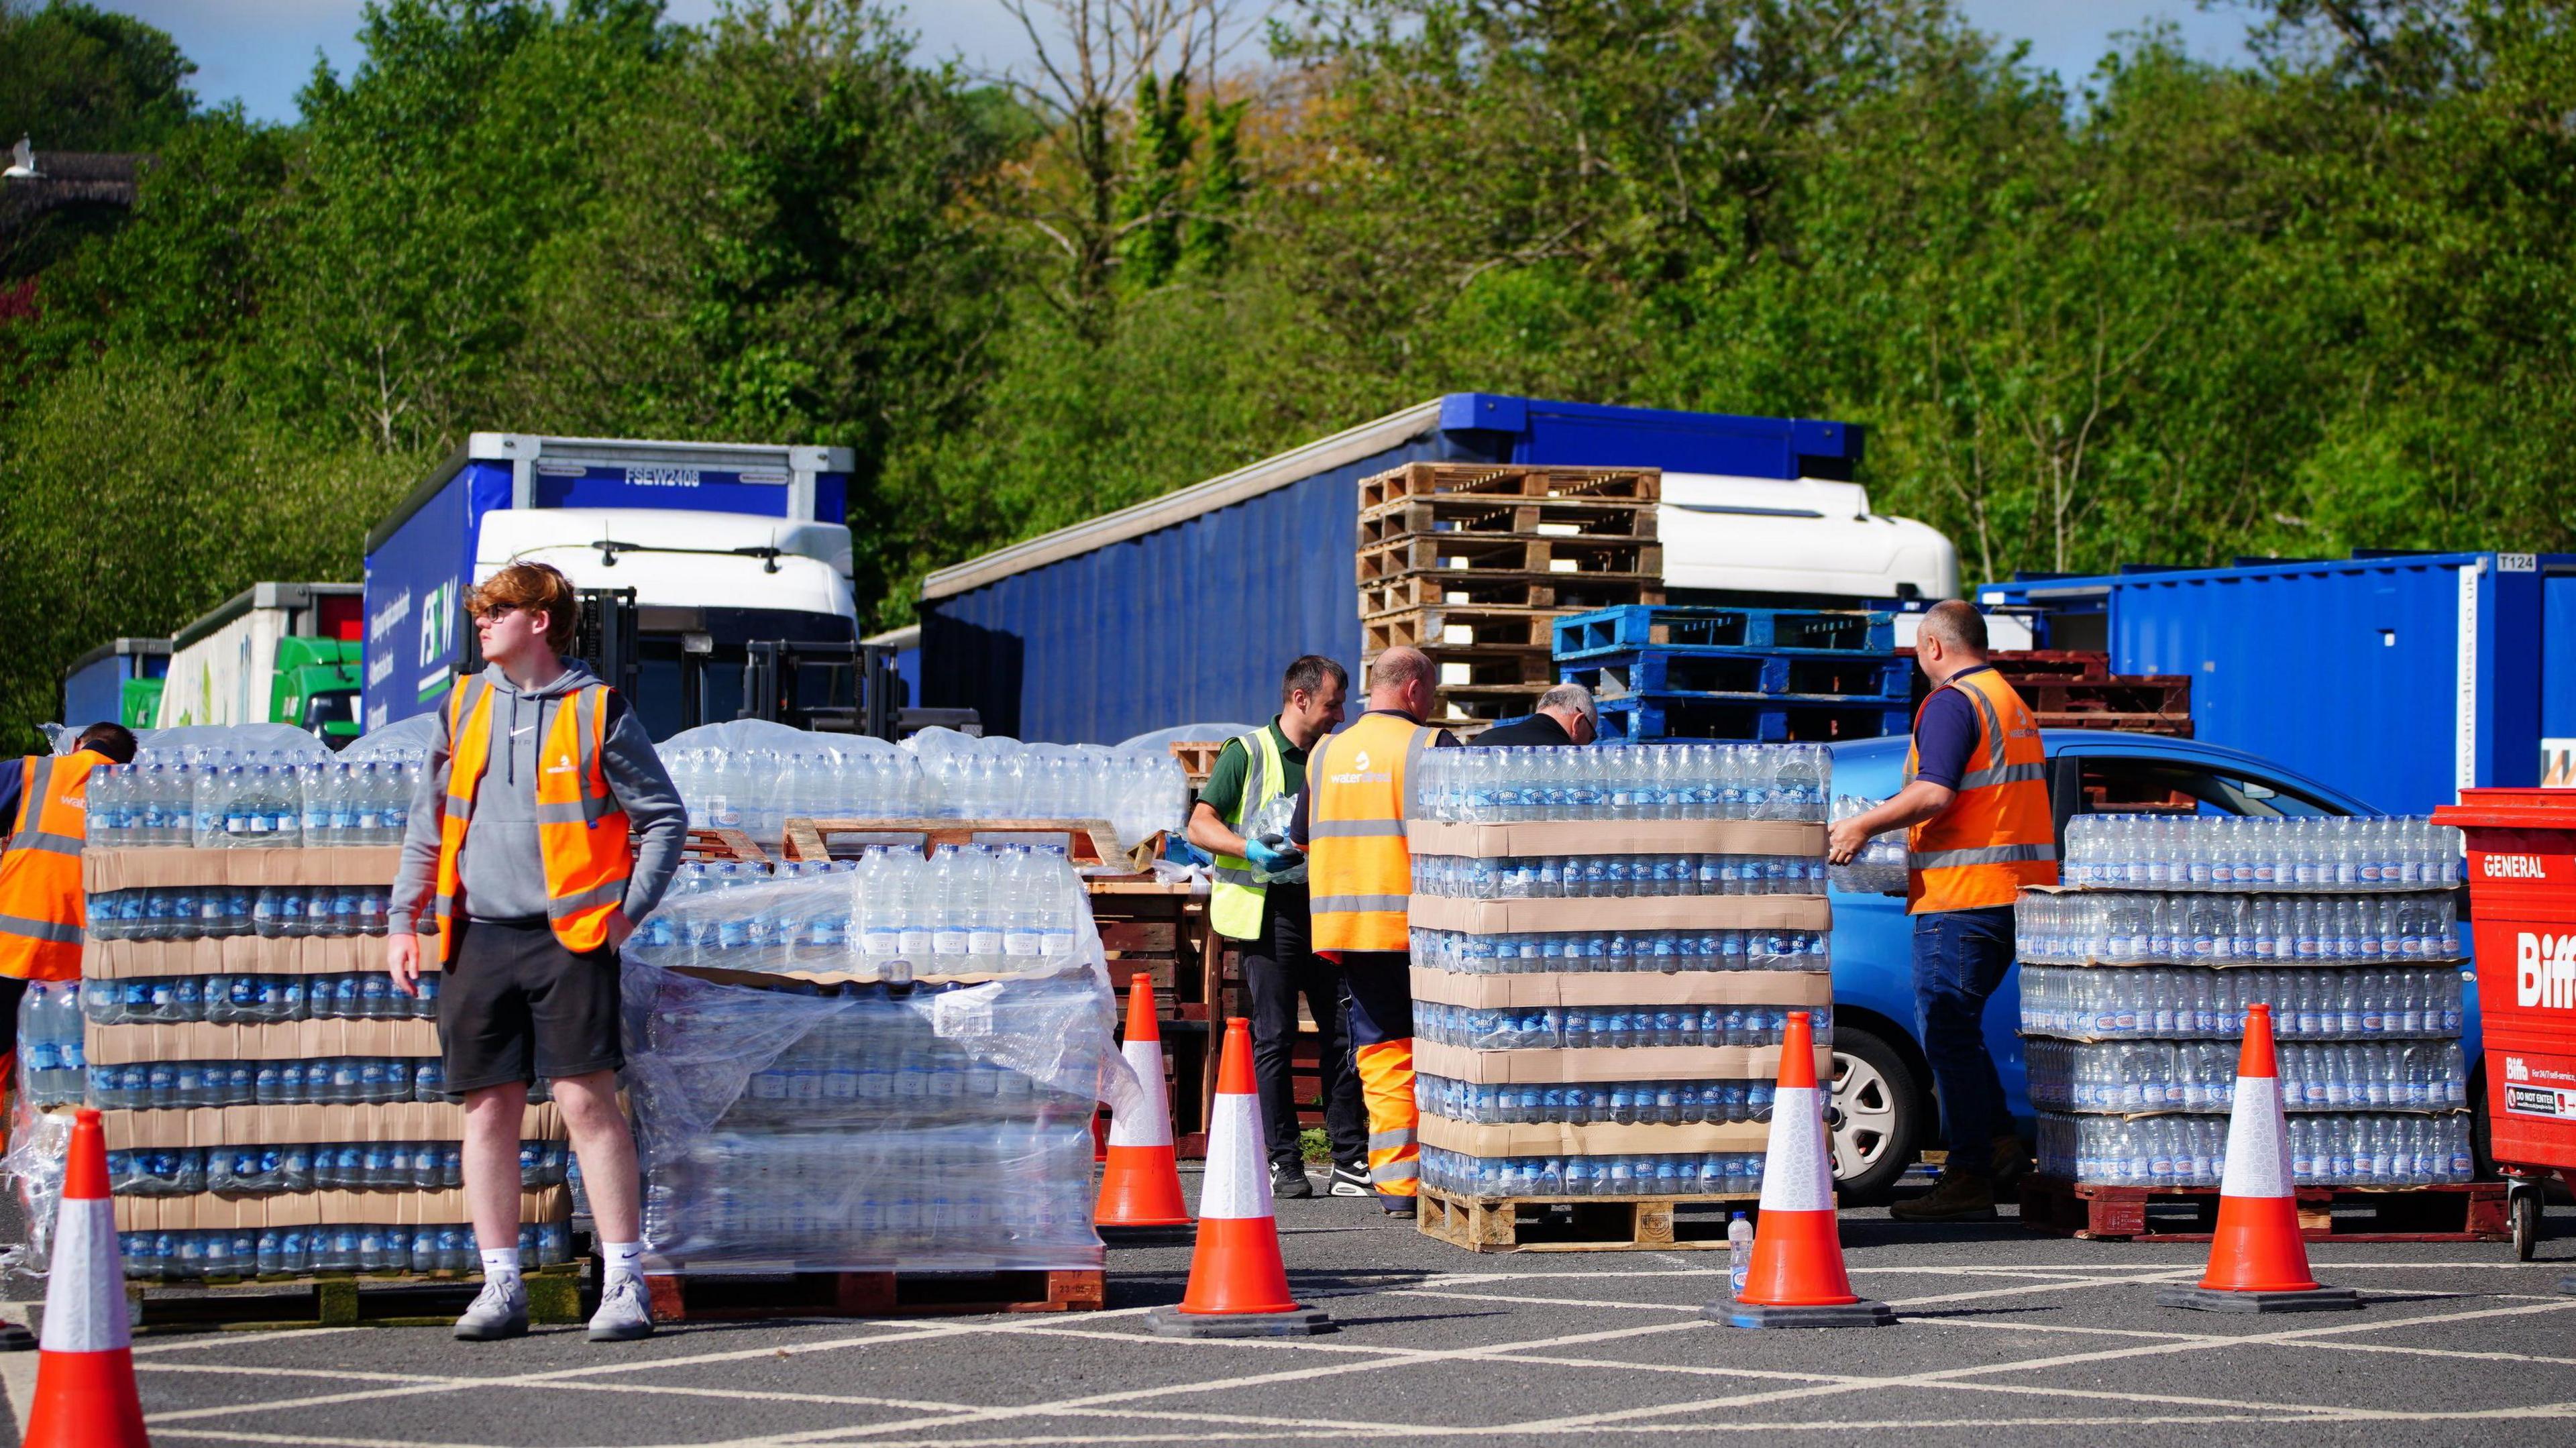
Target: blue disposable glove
1269, 859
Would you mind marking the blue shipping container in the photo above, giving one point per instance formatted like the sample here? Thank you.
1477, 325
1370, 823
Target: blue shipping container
1189, 606
420, 560
2400, 679
94, 686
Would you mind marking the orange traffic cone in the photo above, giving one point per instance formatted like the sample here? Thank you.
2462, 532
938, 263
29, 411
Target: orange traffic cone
1797, 1278
1141, 1186
1238, 1284
2258, 1262
85, 1396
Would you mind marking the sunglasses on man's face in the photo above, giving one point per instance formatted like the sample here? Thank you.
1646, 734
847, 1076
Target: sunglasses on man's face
495, 613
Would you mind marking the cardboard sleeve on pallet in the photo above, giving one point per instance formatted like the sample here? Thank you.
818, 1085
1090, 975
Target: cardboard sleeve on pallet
1624, 988
292, 1040
1616, 837
1606, 1063
239, 955
103, 871
305, 1125
406, 1208
1605, 1138
1645, 912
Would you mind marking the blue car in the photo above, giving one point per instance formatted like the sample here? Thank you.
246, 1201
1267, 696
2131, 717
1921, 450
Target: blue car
1884, 1106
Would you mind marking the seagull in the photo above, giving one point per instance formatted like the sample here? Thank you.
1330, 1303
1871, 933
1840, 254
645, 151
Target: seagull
22, 162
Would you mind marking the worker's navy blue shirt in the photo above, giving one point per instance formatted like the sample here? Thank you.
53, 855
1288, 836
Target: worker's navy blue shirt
1945, 734
13, 782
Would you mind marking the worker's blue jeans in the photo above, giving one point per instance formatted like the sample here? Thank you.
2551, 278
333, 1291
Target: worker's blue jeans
1960, 957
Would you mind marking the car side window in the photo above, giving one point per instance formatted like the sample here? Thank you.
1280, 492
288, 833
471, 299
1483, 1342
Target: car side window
2163, 786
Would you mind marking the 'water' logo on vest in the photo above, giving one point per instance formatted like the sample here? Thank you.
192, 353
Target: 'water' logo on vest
1360, 760
562, 765
2544, 971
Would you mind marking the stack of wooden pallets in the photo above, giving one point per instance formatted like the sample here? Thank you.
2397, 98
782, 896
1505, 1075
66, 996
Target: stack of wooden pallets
2073, 689
1474, 562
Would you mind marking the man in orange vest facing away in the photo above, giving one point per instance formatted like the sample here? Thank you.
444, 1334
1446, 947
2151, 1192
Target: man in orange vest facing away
1359, 879
543, 829
1976, 798
42, 911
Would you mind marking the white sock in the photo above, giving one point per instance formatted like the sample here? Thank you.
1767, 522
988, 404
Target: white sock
501, 1264
622, 1259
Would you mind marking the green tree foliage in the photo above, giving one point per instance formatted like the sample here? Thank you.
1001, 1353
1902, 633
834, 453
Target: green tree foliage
2167, 310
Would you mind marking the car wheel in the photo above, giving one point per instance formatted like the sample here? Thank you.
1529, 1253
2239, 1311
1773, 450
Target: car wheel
1876, 1116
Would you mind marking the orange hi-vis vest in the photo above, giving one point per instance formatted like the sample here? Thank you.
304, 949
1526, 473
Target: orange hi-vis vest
1359, 870
1997, 835
581, 830
41, 908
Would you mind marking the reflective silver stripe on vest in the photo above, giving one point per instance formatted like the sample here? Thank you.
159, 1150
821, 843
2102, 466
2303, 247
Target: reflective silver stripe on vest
1403, 1169
47, 930
555, 812
2002, 774
37, 787
1256, 771
1358, 904
1395, 1140
609, 893
1248, 879
1422, 736
1983, 855
458, 713
587, 704
1353, 829
51, 844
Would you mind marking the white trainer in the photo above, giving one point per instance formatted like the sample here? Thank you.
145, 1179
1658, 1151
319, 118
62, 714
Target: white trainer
500, 1310
625, 1311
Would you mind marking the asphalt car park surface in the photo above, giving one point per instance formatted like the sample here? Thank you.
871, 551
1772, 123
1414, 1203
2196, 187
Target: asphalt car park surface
2004, 1337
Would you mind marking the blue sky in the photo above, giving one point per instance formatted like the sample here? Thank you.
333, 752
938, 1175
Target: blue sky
260, 51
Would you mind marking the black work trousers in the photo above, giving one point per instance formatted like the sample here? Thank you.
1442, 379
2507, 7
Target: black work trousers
1278, 969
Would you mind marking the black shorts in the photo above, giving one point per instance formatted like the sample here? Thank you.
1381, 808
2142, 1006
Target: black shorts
515, 1005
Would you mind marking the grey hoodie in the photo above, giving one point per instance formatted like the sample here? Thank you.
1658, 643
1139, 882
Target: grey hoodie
503, 875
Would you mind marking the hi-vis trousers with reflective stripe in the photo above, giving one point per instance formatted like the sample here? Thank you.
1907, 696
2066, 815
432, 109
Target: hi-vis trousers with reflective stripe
1382, 1046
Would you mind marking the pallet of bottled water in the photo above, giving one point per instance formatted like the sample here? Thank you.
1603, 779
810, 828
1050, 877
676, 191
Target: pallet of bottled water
2260, 854
225, 1253
2136, 1078
1683, 780
967, 910
2334, 1150
871, 1127
1623, 1174
1609, 1028
1613, 952
349, 1166
756, 787
214, 798
2183, 1003
2128, 927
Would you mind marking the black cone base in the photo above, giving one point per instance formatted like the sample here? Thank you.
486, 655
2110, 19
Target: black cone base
1180, 1234
1848, 1314
2203, 1299
14, 1338
1304, 1322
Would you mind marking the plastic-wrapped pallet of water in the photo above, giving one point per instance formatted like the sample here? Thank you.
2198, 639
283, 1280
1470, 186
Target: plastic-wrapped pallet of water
1575, 1028
969, 910
1615, 951
2131, 1078
2336, 1150
1667, 781
1614, 877
1879, 868
2143, 1002
875, 1128
2127, 927
212, 798
1587, 1103
1649, 1174
2321, 853
756, 786
315, 1166
186, 1256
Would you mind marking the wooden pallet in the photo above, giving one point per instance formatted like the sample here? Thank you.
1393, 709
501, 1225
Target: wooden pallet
2165, 694
393, 1299
1566, 1224
1621, 558
1472, 516
718, 1297
1090, 842
1508, 480
1198, 758
1159, 933
724, 845
1453, 626
2019, 664
1459, 588
2169, 725
2455, 1212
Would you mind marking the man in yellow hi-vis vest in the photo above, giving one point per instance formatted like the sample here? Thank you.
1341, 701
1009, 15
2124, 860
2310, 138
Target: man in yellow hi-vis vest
1264, 768
1350, 822
1976, 797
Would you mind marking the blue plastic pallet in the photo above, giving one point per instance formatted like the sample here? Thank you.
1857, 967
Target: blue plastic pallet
1755, 721
1768, 630
1823, 676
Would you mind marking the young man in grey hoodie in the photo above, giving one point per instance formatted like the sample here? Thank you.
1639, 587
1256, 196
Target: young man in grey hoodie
518, 1002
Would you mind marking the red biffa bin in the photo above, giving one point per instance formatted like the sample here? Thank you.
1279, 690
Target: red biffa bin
2522, 906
